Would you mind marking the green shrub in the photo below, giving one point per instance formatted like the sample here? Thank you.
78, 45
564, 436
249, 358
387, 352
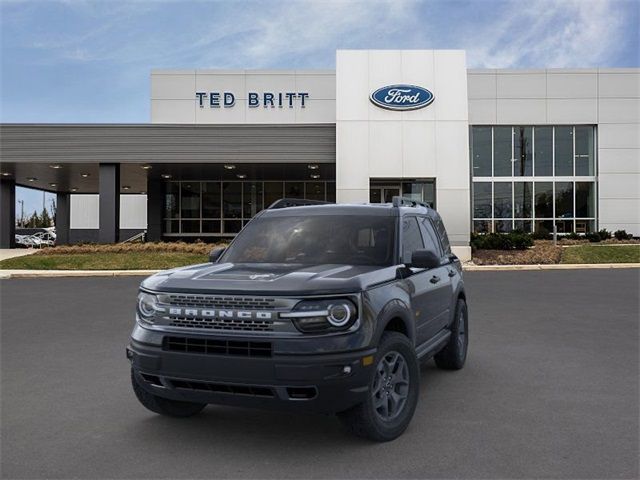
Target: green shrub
593, 237
573, 236
604, 234
622, 235
515, 240
542, 233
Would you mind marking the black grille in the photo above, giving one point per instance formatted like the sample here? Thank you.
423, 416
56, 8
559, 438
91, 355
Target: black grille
215, 301
222, 324
217, 347
252, 390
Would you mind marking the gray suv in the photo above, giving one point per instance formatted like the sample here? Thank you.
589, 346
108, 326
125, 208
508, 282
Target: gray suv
313, 307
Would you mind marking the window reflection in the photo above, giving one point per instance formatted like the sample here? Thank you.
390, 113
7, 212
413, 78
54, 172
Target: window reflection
481, 151
503, 155
502, 206
543, 151
564, 151
523, 151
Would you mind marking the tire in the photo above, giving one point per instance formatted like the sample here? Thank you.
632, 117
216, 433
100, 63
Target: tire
368, 420
164, 406
454, 354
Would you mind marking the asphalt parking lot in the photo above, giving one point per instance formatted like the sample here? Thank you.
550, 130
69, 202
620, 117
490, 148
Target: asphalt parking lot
550, 390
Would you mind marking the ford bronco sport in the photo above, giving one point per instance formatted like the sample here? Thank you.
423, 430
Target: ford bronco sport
325, 308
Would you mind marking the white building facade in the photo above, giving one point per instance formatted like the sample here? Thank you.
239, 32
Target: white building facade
492, 150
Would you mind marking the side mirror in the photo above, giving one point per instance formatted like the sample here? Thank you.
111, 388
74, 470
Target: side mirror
216, 253
424, 259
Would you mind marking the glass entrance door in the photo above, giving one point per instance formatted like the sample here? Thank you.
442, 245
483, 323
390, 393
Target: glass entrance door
383, 194
420, 190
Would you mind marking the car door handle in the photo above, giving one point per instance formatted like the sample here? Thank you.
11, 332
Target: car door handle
434, 279
452, 273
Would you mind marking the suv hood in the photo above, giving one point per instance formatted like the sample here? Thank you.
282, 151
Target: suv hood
266, 279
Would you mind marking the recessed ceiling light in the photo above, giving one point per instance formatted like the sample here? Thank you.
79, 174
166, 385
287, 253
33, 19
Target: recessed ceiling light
229, 166
85, 175
241, 175
31, 179
53, 184
126, 187
315, 176
146, 167
6, 174
56, 166
74, 189
312, 166
165, 176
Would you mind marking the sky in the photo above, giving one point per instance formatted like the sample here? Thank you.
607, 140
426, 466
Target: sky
88, 61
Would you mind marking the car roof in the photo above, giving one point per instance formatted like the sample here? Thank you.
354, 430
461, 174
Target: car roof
373, 209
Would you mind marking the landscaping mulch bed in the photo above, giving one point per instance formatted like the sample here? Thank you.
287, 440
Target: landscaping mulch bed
148, 247
543, 252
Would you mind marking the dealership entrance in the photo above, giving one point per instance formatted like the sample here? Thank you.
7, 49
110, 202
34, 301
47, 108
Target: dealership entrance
383, 191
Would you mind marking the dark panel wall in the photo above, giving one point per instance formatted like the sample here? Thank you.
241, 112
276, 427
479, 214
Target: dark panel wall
167, 143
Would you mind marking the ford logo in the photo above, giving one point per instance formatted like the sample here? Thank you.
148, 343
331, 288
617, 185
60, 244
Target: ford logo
402, 97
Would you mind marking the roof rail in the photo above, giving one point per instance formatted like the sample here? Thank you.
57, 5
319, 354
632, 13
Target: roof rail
407, 202
295, 202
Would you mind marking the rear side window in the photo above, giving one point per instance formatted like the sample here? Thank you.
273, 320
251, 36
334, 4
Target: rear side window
430, 236
411, 238
442, 233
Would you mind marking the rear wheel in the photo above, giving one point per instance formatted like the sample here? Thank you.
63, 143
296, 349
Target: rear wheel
393, 392
164, 406
454, 354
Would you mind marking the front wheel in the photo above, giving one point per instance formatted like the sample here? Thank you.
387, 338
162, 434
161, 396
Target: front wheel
454, 353
393, 392
164, 406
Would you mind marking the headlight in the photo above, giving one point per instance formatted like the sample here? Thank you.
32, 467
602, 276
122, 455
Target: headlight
316, 316
147, 306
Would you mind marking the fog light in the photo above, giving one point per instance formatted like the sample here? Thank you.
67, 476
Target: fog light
368, 360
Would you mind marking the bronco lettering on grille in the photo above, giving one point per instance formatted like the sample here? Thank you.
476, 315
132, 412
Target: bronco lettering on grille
216, 313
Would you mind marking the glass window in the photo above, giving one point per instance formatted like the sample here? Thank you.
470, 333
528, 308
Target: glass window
523, 225
544, 200
211, 226
211, 200
564, 226
522, 199
585, 200
190, 226
272, 191
232, 226
481, 151
482, 226
523, 151
331, 192
190, 200
564, 151
564, 200
482, 200
503, 226
543, 226
584, 151
429, 236
543, 151
442, 232
314, 191
294, 190
232, 199
252, 198
311, 240
172, 226
172, 200
502, 152
411, 238
502, 207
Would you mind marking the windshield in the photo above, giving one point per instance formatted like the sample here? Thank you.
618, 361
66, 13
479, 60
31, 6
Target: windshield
315, 240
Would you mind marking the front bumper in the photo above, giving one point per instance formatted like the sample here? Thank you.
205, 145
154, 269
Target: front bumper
324, 383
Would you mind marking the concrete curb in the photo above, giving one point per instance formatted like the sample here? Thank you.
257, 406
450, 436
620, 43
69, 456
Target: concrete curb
555, 266
6, 274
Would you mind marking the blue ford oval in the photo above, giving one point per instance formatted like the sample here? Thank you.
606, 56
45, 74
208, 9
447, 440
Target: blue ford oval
402, 97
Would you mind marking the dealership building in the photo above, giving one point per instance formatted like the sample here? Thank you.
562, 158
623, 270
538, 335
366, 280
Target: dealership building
491, 150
